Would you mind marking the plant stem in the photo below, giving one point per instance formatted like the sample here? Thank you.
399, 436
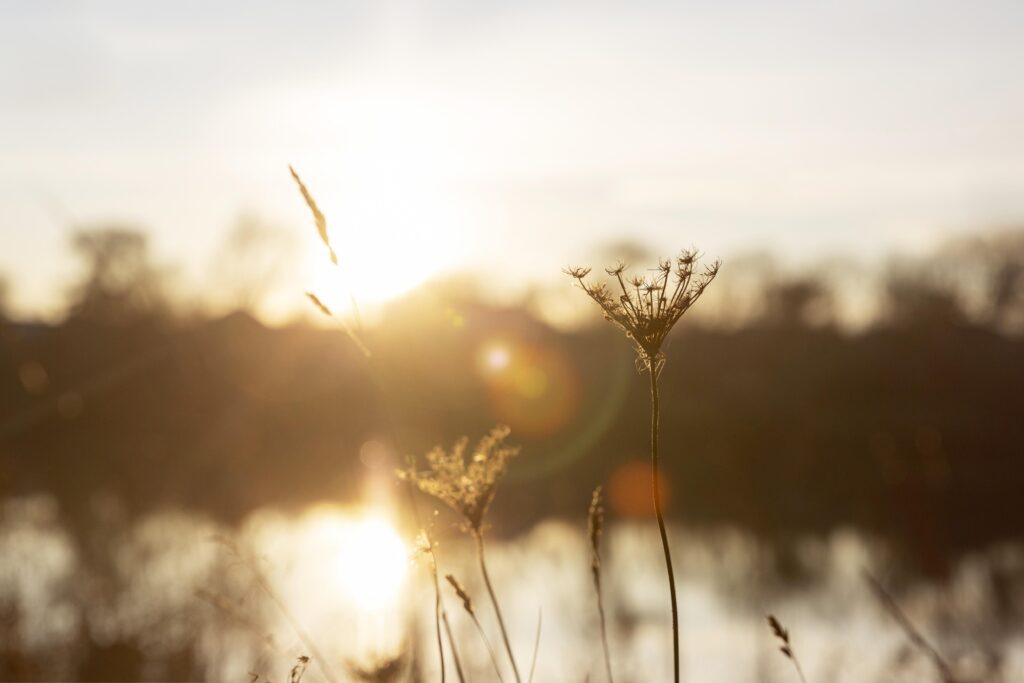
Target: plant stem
437, 620
656, 485
487, 644
604, 632
451, 643
494, 601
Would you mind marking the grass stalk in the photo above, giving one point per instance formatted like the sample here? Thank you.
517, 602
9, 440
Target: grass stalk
467, 605
437, 621
451, 644
595, 527
914, 636
494, 602
536, 647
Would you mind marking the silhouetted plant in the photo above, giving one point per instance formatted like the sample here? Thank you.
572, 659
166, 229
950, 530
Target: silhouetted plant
646, 311
468, 489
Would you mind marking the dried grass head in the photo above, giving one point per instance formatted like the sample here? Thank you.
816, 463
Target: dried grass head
649, 307
465, 484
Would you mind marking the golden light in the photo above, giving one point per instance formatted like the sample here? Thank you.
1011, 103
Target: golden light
391, 195
367, 557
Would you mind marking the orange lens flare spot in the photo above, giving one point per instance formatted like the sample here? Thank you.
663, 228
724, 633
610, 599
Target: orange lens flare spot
532, 389
629, 490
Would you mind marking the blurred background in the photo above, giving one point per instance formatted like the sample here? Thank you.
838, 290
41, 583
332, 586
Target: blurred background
197, 468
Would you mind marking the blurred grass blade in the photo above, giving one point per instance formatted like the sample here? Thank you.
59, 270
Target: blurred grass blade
318, 216
536, 646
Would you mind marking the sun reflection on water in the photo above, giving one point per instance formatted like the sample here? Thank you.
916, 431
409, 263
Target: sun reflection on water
368, 559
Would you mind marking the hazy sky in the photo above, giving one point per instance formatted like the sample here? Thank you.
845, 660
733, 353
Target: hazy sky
511, 135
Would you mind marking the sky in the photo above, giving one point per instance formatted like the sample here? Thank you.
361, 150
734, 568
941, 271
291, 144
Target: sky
507, 138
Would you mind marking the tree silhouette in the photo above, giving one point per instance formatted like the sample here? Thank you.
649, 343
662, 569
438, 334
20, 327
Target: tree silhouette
119, 283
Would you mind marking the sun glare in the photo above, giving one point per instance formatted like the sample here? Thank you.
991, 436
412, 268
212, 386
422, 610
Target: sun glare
391, 199
368, 559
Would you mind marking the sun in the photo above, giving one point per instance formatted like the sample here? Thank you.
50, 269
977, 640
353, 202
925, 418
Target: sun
395, 207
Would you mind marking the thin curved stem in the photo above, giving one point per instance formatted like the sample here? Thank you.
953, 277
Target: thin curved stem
487, 644
494, 601
437, 621
656, 485
451, 643
604, 633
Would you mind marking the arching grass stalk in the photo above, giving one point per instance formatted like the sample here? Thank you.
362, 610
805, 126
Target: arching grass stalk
647, 310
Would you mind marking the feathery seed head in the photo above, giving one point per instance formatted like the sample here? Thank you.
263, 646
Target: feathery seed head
467, 485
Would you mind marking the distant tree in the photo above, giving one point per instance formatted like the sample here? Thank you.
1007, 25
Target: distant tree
995, 265
914, 298
629, 252
254, 258
977, 278
5, 293
119, 283
800, 302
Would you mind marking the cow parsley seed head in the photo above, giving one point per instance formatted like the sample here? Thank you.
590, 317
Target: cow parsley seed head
649, 307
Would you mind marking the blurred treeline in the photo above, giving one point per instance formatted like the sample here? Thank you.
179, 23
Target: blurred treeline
784, 420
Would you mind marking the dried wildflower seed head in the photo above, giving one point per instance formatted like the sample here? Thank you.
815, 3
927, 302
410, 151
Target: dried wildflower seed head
467, 602
649, 308
466, 487
595, 526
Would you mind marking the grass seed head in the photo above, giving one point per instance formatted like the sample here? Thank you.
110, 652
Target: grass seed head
467, 602
782, 634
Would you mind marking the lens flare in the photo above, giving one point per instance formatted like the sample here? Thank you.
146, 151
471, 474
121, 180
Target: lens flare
532, 388
629, 489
